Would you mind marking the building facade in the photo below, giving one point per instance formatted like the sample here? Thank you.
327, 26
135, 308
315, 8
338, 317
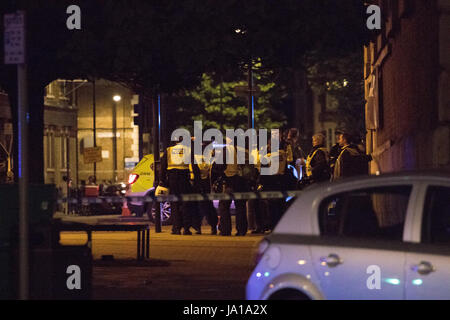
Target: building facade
115, 131
407, 87
60, 134
325, 118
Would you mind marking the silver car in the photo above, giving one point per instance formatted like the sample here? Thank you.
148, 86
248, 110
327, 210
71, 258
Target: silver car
377, 237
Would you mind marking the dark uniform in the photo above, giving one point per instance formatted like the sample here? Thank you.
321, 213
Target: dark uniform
333, 155
317, 169
233, 181
276, 182
351, 162
200, 175
175, 174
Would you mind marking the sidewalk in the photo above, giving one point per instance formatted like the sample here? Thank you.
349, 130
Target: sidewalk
180, 267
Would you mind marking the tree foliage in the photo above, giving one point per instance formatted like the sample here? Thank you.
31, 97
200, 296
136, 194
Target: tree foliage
341, 78
215, 102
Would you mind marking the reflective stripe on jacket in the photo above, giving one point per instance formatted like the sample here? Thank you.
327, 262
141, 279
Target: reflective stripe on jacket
178, 157
311, 157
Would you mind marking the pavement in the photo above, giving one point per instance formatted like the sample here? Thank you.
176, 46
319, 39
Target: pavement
203, 267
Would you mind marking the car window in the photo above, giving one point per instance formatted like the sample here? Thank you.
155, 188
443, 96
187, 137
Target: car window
366, 213
436, 218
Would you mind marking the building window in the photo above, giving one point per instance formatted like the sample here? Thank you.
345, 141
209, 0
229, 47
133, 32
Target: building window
330, 136
50, 151
63, 152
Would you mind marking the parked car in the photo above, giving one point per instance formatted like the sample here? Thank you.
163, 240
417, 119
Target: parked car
141, 184
378, 237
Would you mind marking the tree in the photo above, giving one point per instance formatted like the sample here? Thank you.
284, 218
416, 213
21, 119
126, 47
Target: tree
217, 105
341, 78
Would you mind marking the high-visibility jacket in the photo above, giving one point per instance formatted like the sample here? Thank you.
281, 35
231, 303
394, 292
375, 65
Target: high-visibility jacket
289, 153
232, 167
178, 157
281, 157
255, 155
203, 166
311, 157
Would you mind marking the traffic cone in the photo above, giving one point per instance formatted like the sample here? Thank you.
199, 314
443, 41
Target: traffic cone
125, 211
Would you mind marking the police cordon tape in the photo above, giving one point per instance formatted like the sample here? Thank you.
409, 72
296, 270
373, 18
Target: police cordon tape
184, 197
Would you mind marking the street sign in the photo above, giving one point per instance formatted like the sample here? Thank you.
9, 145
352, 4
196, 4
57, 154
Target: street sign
92, 155
14, 38
242, 91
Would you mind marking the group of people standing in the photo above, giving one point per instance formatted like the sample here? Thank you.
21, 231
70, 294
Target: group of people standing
345, 159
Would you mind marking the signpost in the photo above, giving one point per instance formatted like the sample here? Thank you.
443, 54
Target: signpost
15, 54
14, 38
92, 155
242, 91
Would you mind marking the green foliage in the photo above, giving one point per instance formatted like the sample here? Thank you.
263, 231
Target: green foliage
341, 79
216, 104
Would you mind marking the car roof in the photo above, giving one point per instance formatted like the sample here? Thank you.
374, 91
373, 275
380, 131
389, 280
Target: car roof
423, 175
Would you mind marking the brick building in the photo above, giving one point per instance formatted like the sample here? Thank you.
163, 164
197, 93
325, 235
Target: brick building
407, 86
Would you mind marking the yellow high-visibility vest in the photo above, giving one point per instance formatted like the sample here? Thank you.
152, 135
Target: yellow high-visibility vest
203, 166
178, 157
280, 155
289, 153
309, 159
232, 168
255, 155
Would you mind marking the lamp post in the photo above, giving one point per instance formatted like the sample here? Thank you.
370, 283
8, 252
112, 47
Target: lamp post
116, 99
250, 104
94, 124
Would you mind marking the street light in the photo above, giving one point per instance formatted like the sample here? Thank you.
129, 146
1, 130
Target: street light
116, 99
250, 106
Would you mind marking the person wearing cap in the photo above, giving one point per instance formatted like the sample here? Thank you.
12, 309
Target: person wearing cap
276, 181
351, 161
317, 169
334, 152
233, 181
175, 174
201, 180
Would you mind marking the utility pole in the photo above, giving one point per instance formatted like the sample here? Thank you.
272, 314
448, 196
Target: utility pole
94, 124
157, 163
114, 141
250, 122
15, 53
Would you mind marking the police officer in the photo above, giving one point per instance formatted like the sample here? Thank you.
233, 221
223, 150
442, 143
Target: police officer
351, 161
175, 174
275, 182
294, 153
201, 178
256, 208
334, 153
233, 181
317, 169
